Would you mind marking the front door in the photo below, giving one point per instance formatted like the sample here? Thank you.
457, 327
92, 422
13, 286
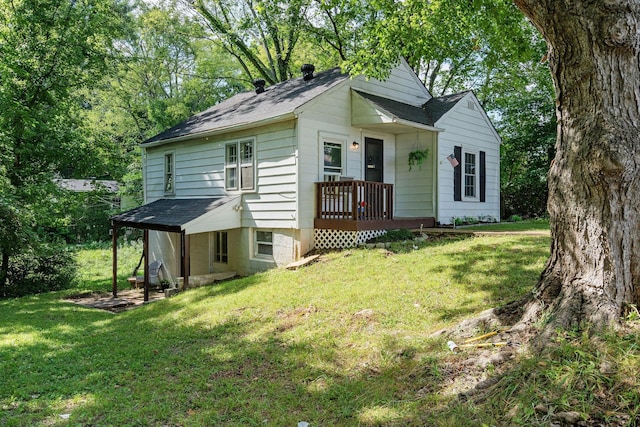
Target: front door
373, 160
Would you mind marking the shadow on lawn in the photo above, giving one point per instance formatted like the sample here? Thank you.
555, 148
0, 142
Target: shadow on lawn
512, 267
151, 366
130, 370
169, 364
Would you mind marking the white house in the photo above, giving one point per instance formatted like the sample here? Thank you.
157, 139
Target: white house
318, 161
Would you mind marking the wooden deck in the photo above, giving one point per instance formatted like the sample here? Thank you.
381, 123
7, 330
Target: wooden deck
360, 206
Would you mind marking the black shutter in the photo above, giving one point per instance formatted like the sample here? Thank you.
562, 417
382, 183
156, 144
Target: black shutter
483, 177
457, 175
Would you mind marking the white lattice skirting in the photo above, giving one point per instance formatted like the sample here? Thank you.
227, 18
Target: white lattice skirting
339, 239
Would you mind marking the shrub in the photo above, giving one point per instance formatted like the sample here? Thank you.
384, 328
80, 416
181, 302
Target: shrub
50, 268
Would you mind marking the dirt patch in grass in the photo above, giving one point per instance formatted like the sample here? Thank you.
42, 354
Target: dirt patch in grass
126, 300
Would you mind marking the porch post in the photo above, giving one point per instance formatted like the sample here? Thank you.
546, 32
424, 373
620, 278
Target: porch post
186, 261
114, 261
145, 251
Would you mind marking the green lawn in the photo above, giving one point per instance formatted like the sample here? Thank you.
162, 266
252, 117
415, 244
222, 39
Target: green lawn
345, 341
527, 225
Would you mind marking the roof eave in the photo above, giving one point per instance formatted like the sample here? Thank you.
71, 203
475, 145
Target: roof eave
221, 130
416, 125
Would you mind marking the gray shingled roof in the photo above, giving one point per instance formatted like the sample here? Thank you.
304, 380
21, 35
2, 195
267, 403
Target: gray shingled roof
283, 98
428, 114
438, 107
401, 110
249, 107
168, 214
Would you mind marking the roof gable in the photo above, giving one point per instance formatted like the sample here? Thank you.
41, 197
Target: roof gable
438, 107
441, 107
393, 116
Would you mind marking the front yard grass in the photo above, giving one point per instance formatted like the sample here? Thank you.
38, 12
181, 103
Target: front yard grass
343, 342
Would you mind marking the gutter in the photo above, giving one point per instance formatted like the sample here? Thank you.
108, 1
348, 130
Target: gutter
416, 125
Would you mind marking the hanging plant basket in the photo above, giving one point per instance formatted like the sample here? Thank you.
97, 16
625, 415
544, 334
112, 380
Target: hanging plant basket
417, 158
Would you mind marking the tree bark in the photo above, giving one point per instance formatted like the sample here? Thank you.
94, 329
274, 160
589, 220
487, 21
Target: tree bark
4, 273
593, 273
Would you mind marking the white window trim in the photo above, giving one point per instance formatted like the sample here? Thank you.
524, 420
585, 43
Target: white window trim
255, 244
166, 172
476, 187
239, 164
343, 156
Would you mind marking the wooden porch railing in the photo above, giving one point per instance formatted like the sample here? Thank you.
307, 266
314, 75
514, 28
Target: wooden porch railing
354, 200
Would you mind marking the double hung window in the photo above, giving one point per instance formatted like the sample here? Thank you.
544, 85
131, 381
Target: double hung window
470, 176
239, 164
332, 161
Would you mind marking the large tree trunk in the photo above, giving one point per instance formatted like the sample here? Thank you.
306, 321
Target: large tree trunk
593, 273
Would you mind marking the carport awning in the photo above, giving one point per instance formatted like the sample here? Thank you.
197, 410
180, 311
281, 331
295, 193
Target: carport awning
178, 215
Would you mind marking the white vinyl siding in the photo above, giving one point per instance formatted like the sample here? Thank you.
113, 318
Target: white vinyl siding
200, 172
467, 128
414, 190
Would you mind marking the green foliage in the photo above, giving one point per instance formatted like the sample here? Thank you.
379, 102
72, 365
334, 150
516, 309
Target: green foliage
417, 158
85, 217
50, 52
262, 36
528, 130
49, 268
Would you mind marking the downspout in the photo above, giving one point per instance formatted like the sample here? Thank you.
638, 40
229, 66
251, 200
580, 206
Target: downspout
143, 154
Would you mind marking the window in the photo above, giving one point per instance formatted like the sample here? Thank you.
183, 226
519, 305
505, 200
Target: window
264, 243
470, 177
239, 164
221, 248
332, 161
168, 173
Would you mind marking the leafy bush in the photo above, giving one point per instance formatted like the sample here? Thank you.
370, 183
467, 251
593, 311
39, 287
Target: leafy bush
50, 268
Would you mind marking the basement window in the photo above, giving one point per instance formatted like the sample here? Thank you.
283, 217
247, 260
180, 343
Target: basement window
221, 247
264, 243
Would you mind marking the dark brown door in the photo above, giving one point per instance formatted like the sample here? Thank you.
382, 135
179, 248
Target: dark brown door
373, 160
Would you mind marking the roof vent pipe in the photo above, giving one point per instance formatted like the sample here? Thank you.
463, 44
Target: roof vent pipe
307, 71
259, 85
